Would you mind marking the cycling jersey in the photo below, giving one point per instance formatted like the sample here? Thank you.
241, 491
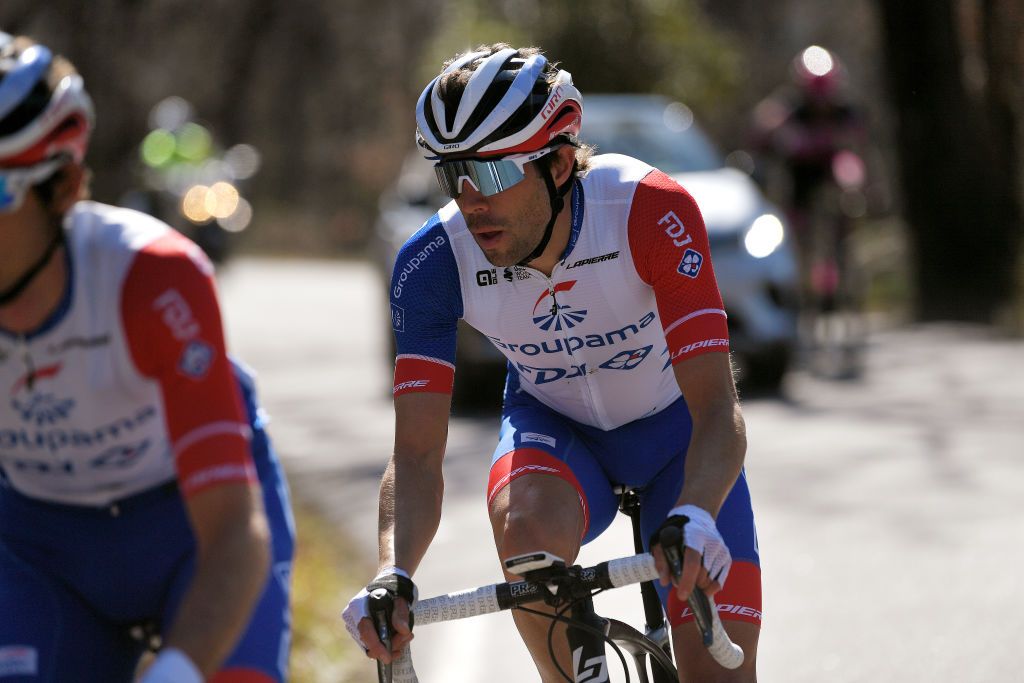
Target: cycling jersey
128, 383
116, 407
633, 293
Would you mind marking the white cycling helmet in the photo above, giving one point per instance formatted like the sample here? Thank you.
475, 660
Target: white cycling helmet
39, 124
511, 104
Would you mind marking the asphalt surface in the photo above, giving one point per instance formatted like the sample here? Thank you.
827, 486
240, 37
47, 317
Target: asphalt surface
890, 508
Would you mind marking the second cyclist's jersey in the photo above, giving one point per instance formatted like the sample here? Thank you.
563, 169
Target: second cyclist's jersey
633, 294
127, 386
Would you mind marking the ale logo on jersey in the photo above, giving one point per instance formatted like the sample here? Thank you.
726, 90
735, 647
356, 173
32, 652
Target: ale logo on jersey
691, 263
549, 313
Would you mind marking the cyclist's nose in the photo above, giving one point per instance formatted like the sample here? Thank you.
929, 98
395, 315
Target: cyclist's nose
470, 200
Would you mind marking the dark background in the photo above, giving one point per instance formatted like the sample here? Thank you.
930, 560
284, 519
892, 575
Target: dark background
325, 90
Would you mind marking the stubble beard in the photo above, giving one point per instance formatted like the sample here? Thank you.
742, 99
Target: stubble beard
529, 227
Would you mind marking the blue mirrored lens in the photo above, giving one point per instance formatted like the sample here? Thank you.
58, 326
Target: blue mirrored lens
488, 177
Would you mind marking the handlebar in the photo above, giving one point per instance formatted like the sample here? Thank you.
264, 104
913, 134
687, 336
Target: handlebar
606, 575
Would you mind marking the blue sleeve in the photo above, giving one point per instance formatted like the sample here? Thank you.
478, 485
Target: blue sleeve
426, 299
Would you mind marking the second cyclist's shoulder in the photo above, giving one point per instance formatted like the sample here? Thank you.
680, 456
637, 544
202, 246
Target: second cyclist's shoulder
111, 238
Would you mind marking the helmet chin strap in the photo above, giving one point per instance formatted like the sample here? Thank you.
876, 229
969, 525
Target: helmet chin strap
19, 286
557, 198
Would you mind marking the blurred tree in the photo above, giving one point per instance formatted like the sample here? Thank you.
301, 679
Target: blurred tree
958, 144
663, 46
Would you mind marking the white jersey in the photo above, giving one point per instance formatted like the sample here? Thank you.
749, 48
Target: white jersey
127, 385
633, 293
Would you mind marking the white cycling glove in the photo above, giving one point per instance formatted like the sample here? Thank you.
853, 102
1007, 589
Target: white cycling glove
701, 534
172, 666
358, 607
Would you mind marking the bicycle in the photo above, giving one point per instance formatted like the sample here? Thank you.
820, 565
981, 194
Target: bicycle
571, 589
833, 284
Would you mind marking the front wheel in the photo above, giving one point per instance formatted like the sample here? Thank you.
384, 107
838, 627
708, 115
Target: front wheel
643, 650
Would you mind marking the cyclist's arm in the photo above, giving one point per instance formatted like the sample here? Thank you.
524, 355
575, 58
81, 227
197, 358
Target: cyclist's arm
718, 442
232, 564
412, 487
670, 249
173, 327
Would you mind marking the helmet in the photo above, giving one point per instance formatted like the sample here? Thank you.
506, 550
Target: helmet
510, 105
818, 72
38, 123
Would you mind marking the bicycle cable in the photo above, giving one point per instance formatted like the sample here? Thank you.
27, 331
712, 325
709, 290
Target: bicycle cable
559, 616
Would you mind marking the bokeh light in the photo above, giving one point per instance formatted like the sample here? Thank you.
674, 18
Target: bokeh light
193, 204
221, 199
678, 117
158, 147
194, 142
765, 236
817, 60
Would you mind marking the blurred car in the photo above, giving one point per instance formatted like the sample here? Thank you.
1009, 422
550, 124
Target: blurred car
754, 262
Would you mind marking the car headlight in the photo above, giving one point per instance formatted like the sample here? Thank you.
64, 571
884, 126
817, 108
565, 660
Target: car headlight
764, 236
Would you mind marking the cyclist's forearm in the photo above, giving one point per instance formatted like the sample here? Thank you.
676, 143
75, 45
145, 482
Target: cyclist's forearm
231, 571
410, 510
715, 457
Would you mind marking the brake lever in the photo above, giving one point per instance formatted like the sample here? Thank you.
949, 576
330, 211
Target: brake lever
671, 539
381, 607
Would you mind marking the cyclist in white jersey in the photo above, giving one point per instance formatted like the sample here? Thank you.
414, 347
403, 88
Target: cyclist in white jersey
592, 274
138, 489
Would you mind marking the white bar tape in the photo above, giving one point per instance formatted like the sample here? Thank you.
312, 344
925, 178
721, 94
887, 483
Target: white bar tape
724, 651
635, 569
401, 668
459, 605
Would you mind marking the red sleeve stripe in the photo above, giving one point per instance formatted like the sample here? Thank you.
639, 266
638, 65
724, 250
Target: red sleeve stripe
210, 430
422, 374
706, 311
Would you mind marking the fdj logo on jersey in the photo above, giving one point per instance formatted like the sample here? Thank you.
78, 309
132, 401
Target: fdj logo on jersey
691, 263
549, 314
627, 360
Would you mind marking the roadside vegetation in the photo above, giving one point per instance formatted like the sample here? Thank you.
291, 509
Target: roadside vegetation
323, 579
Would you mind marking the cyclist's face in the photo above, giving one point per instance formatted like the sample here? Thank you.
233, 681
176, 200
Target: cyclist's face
508, 225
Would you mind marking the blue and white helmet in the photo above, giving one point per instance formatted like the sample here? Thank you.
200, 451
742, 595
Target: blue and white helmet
39, 123
510, 105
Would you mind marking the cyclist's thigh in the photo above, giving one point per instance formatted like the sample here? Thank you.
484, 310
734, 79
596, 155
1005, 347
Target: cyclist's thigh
535, 440
48, 635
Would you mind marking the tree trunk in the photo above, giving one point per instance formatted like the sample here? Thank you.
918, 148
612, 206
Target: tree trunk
961, 204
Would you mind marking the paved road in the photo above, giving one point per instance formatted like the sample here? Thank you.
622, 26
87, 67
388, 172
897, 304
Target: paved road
890, 509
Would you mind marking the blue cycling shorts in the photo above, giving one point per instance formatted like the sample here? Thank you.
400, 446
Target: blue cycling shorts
649, 455
74, 580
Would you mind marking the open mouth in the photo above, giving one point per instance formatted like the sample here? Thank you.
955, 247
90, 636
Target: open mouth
487, 238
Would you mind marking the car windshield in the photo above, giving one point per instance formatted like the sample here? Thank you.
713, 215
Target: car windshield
661, 133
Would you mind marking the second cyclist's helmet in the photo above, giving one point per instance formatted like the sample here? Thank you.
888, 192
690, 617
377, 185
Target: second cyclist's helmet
512, 103
818, 72
41, 118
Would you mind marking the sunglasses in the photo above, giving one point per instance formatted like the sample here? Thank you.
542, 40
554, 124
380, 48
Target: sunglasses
16, 182
488, 177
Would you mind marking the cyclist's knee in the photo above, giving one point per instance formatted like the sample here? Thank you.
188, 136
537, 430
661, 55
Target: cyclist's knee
242, 675
538, 513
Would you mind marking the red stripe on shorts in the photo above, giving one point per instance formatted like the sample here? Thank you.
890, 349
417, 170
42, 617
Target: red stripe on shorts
520, 461
739, 600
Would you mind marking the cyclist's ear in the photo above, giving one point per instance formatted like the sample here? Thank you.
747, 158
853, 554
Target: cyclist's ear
69, 185
561, 164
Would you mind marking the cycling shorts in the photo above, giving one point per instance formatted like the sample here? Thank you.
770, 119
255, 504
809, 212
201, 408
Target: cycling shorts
648, 454
74, 580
